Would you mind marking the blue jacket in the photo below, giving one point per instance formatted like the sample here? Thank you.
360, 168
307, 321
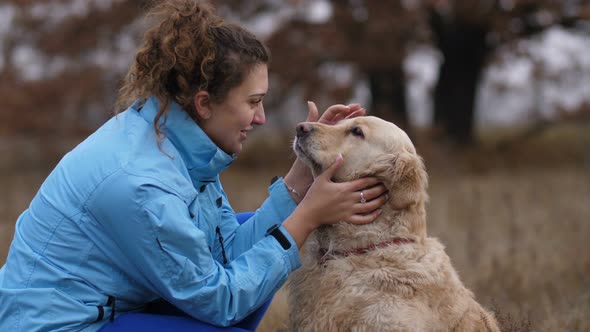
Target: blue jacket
118, 220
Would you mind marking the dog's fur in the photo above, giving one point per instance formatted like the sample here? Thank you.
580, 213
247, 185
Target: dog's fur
408, 286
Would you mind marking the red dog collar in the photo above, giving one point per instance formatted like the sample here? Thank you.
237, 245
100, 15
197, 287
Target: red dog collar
360, 251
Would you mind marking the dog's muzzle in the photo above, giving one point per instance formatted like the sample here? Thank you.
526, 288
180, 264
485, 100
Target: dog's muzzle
301, 148
303, 130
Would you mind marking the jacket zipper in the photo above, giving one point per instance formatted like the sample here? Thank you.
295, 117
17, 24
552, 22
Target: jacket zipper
220, 237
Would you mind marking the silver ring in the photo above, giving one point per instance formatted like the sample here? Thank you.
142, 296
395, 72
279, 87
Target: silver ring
363, 199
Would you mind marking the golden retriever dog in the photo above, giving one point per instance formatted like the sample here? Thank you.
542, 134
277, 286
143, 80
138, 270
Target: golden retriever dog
387, 275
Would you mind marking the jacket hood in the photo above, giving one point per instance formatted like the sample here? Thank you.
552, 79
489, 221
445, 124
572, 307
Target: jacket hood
204, 160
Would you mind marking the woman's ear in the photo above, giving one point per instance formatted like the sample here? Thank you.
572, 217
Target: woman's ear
405, 177
203, 104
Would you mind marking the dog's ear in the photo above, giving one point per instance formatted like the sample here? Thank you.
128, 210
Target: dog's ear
405, 177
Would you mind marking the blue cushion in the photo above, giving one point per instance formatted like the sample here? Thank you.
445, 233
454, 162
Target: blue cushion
158, 323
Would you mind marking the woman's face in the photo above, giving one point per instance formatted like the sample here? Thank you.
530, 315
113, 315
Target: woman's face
231, 120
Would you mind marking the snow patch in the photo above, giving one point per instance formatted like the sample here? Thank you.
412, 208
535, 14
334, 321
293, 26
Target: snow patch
543, 78
421, 70
535, 79
29, 61
338, 74
319, 12
53, 13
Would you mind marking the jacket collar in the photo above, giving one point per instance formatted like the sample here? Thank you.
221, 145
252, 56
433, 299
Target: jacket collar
204, 160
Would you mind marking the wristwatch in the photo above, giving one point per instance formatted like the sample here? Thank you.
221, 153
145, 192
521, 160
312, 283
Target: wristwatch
276, 232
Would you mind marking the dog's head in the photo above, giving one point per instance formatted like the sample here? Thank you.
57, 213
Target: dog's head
370, 147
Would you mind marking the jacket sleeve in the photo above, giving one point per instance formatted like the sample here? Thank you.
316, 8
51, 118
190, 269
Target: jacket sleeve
274, 210
153, 227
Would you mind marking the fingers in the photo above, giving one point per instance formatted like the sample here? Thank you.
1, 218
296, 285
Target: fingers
369, 199
369, 211
334, 109
342, 201
371, 204
355, 107
331, 171
363, 183
362, 219
337, 117
312, 112
372, 192
338, 112
334, 113
357, 113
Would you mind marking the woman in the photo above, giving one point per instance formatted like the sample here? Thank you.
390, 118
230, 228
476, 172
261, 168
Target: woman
136, 212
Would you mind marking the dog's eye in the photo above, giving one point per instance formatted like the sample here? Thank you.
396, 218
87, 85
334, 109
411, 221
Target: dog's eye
357, 131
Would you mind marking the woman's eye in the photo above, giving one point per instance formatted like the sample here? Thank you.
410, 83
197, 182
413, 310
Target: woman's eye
357, 131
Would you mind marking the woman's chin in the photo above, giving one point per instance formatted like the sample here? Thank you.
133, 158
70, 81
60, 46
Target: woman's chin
234, 150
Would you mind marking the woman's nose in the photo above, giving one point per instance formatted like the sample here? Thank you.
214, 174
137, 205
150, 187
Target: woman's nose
259, 116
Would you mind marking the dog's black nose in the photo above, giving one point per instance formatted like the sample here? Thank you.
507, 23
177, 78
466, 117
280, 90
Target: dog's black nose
303, 129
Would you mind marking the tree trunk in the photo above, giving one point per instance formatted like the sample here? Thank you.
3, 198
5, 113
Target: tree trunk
463, 45
388, 96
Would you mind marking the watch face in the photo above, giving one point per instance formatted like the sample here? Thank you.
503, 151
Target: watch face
275, 231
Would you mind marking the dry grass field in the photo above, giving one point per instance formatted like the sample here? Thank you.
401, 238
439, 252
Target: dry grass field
516, 222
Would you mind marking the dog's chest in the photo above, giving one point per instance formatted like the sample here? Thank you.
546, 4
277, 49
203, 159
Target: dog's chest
337, 298
410, 288
347, 282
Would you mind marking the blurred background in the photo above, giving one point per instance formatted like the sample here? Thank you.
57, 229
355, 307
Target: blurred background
494, 93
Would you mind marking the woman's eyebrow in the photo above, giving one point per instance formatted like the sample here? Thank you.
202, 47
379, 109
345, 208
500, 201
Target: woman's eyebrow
258, 94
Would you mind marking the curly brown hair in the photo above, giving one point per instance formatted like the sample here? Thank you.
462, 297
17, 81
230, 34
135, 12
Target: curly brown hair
188, 48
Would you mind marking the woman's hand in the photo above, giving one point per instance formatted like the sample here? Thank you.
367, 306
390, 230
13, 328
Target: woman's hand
328, 202
334, 113
299, 176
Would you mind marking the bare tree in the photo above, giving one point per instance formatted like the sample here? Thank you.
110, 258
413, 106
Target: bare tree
466, 32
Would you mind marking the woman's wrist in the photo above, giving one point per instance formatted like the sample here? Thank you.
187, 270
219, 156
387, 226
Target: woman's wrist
299, 226
297, 197
298, 180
